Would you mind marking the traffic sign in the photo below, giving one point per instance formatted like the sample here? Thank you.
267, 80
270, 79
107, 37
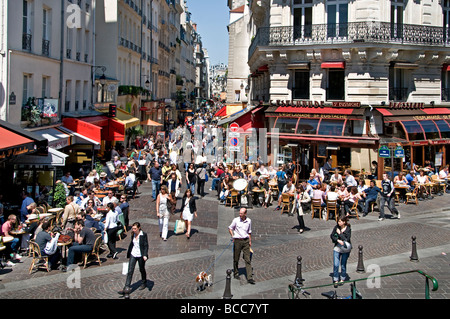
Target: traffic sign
234, 141
234, 127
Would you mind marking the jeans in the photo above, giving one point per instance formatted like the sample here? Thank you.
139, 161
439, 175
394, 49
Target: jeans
192, 187
131, 266
77, 248
214, 182
391, 205
368, 203
156, 186
340, 259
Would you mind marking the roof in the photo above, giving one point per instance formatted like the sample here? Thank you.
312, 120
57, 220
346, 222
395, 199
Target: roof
238, 9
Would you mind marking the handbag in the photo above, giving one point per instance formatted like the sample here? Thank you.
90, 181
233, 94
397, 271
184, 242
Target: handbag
180, 226
343, 249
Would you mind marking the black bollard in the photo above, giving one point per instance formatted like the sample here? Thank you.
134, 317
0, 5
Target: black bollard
414, 256
227, 293
360, 268
298, 277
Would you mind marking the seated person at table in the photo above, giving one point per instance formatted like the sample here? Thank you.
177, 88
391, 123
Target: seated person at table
83, 242
70, 214
109, 198
237, 174
411, 178
289, 188
67, 178
91, 195
336, 178
103, 180
267, 191
263, 170
129, 180
352, 197
320, 193
88, 219
44, 237
253, 196
26, 206
400, 179
423, 179
215, 174
6, 228
313, 181
370, 195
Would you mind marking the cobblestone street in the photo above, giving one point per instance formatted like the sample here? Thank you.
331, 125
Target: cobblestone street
174, 264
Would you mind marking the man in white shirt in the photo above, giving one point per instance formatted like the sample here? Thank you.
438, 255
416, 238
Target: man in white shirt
349, 179
241, 233
289, 188
109, 198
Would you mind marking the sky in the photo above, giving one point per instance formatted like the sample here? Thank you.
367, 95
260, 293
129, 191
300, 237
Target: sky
212, 17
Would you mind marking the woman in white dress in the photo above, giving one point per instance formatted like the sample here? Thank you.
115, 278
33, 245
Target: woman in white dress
188, 211
162, 211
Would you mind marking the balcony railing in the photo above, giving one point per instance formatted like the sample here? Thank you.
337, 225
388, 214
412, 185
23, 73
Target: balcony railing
398, 94
352, 32
26, 42
45, 47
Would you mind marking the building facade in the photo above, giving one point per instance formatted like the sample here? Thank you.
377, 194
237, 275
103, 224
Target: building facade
355, 60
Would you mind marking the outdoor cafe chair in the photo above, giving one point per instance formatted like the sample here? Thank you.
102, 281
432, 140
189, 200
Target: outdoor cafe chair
94, 253
37, 257
316, 204
332, 207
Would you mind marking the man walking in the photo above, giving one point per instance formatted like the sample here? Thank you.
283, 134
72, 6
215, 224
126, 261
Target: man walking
241, 232
155, 174
388, 195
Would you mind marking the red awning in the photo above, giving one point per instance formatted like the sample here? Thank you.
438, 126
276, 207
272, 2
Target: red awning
12, 144
89, 130
221, 112
97, 128
333, 65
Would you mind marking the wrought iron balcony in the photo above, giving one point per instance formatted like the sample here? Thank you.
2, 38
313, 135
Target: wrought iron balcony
26, 42
45, 47
445, 95
352, 32
398, 94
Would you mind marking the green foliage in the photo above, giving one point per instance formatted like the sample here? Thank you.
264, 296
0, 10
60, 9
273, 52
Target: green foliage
131, 90
59, 198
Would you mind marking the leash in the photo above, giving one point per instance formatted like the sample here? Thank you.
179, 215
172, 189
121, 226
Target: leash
231, 240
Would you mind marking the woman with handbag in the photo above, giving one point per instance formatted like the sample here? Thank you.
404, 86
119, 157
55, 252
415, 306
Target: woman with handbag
162, 211
341, 237
301, 199
188, 210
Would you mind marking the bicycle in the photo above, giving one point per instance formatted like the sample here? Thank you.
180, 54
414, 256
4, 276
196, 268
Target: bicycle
296, 290
354, 294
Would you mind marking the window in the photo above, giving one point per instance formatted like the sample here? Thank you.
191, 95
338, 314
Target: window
397, 18
302, 13
337, 18
446, 16
26, 88
68, 95
307, 126
301, 85
430, 129
413, 130
45, 87
26, 26
286, 125
443, 128
336, 85
331, 127
397, 88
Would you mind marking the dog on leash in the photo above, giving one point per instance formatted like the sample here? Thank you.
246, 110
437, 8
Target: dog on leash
203, 280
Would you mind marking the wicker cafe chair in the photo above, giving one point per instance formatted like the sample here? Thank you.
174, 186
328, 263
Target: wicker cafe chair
332, 207
285, 203
37, 257
316, 204
95, 251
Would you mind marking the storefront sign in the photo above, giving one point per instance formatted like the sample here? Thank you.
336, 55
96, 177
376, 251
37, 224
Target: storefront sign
15, 151
384, 152
307, 115
406, 105
315, 104
399, 152
432, 117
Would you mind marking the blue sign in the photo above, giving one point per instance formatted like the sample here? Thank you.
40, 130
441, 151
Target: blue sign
384, 151
234, 142
399, 152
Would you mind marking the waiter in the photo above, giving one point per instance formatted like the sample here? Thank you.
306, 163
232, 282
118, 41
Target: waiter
241, 232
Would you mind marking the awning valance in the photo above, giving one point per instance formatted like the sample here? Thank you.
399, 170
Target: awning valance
56, 139
125, 118
53, 158
333, 65
316, 112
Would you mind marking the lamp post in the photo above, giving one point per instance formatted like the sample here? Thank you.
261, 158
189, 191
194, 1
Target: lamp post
94, 69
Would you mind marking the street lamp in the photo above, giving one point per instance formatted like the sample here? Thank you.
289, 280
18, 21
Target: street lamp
102, 80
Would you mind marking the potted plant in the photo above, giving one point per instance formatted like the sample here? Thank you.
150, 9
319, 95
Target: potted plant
59, 195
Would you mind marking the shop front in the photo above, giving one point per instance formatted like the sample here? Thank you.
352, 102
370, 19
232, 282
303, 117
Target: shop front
310, 132
423, 132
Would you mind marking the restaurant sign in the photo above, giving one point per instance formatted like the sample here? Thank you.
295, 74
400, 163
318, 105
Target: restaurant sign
308, 115
406, 105
315, 104
23, 149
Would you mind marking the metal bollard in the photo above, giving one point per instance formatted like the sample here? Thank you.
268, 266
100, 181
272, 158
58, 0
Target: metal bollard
227, 293
414, 256
360, 268
298, 277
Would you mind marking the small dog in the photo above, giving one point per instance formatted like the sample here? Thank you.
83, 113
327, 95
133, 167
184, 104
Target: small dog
203, 280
